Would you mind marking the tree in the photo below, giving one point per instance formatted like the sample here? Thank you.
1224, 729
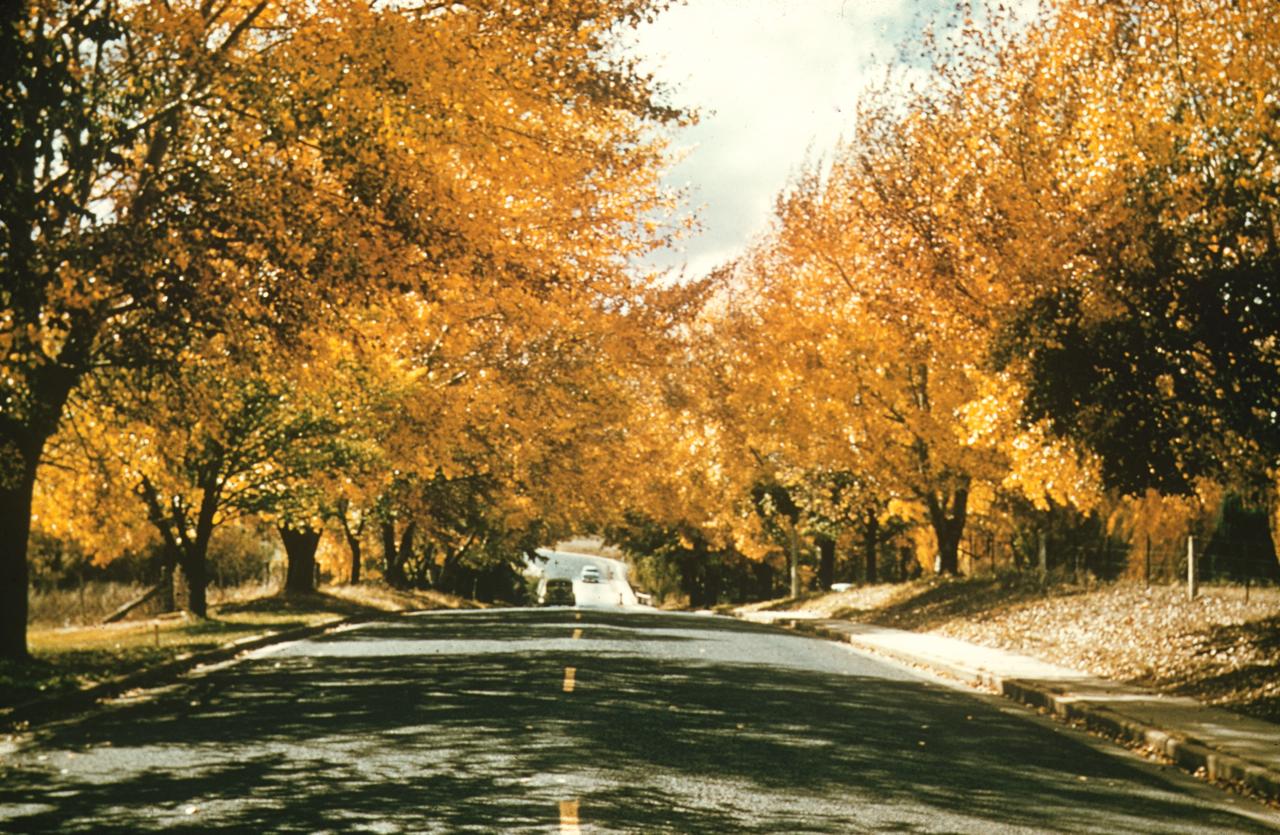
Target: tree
834, 372
1147, 340
218, 442
185, 167
300, 545
352, 522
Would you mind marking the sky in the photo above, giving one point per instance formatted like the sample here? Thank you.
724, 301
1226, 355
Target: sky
776, 83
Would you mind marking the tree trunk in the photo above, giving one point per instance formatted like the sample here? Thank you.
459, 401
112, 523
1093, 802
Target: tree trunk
196, 566
826, 561
948, 551
690, 582
15, 530
948, 527
21, 446
1042, 555
195, 569
388, 530
444, 577
352, 536
714, 583
393, 558
764, 579
693, 568
300, 547
353, 543
870, 542
1273, 519
405, 552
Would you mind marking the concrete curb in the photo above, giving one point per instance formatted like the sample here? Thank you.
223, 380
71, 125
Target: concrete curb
66, 704
1191, 754
1186, 752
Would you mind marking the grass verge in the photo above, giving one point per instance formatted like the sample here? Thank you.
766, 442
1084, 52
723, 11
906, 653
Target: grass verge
70, 658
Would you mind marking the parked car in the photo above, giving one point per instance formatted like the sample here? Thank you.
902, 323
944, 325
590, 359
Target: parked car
557, 591
590, 574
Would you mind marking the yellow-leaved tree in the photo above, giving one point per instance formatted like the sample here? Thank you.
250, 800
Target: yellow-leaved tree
182, 169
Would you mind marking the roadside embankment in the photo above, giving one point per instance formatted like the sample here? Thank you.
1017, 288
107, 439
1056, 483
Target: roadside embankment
1190, 681
76, 665
1220, 648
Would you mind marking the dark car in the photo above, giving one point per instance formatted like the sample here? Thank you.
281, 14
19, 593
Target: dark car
557, 592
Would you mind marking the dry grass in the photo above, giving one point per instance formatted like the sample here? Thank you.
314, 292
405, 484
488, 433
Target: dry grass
85, 605
1219, 648
387, 599
69, 657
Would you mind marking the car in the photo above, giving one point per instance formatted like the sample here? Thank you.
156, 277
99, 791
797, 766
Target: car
590, 574
557, 591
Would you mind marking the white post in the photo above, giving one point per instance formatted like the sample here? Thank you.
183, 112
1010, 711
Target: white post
1192, 586
793, 546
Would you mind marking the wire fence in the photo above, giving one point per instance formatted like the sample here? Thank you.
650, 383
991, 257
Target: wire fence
1218, 559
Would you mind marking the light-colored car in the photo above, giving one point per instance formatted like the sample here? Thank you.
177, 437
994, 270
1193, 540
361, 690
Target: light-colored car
590, 574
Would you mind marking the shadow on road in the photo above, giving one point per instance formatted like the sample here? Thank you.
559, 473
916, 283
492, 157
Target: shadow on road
456, 742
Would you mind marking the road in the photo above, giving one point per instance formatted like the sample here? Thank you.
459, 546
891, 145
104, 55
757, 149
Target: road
582, 720
613, 591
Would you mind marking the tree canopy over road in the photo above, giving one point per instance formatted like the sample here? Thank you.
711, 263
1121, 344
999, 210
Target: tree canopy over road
410, 214
370, 269
1035, 290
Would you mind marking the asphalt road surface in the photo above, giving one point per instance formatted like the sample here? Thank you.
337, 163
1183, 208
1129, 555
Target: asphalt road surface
571, 720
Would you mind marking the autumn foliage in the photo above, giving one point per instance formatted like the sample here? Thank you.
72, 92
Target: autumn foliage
371, 269
212, 213
1036, 284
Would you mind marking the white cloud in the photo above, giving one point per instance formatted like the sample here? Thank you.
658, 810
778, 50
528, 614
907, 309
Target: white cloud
774, 80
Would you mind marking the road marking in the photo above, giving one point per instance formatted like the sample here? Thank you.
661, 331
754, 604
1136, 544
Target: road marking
577, 633
569, 675
569, 817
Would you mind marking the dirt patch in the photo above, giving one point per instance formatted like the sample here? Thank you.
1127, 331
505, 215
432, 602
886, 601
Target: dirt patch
1219, 648
387, 599
845, 604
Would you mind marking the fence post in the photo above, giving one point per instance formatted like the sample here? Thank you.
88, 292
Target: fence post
1192, 585
1147, 570
1043, 555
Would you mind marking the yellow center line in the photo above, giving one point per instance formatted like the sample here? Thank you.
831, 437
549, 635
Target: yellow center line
569, 817
569, 674
577, 633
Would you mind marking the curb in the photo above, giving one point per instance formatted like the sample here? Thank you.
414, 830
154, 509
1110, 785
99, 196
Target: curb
1187, 753
86, 698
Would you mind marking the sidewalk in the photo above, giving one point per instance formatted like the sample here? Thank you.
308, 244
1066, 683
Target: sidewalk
1225, 746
